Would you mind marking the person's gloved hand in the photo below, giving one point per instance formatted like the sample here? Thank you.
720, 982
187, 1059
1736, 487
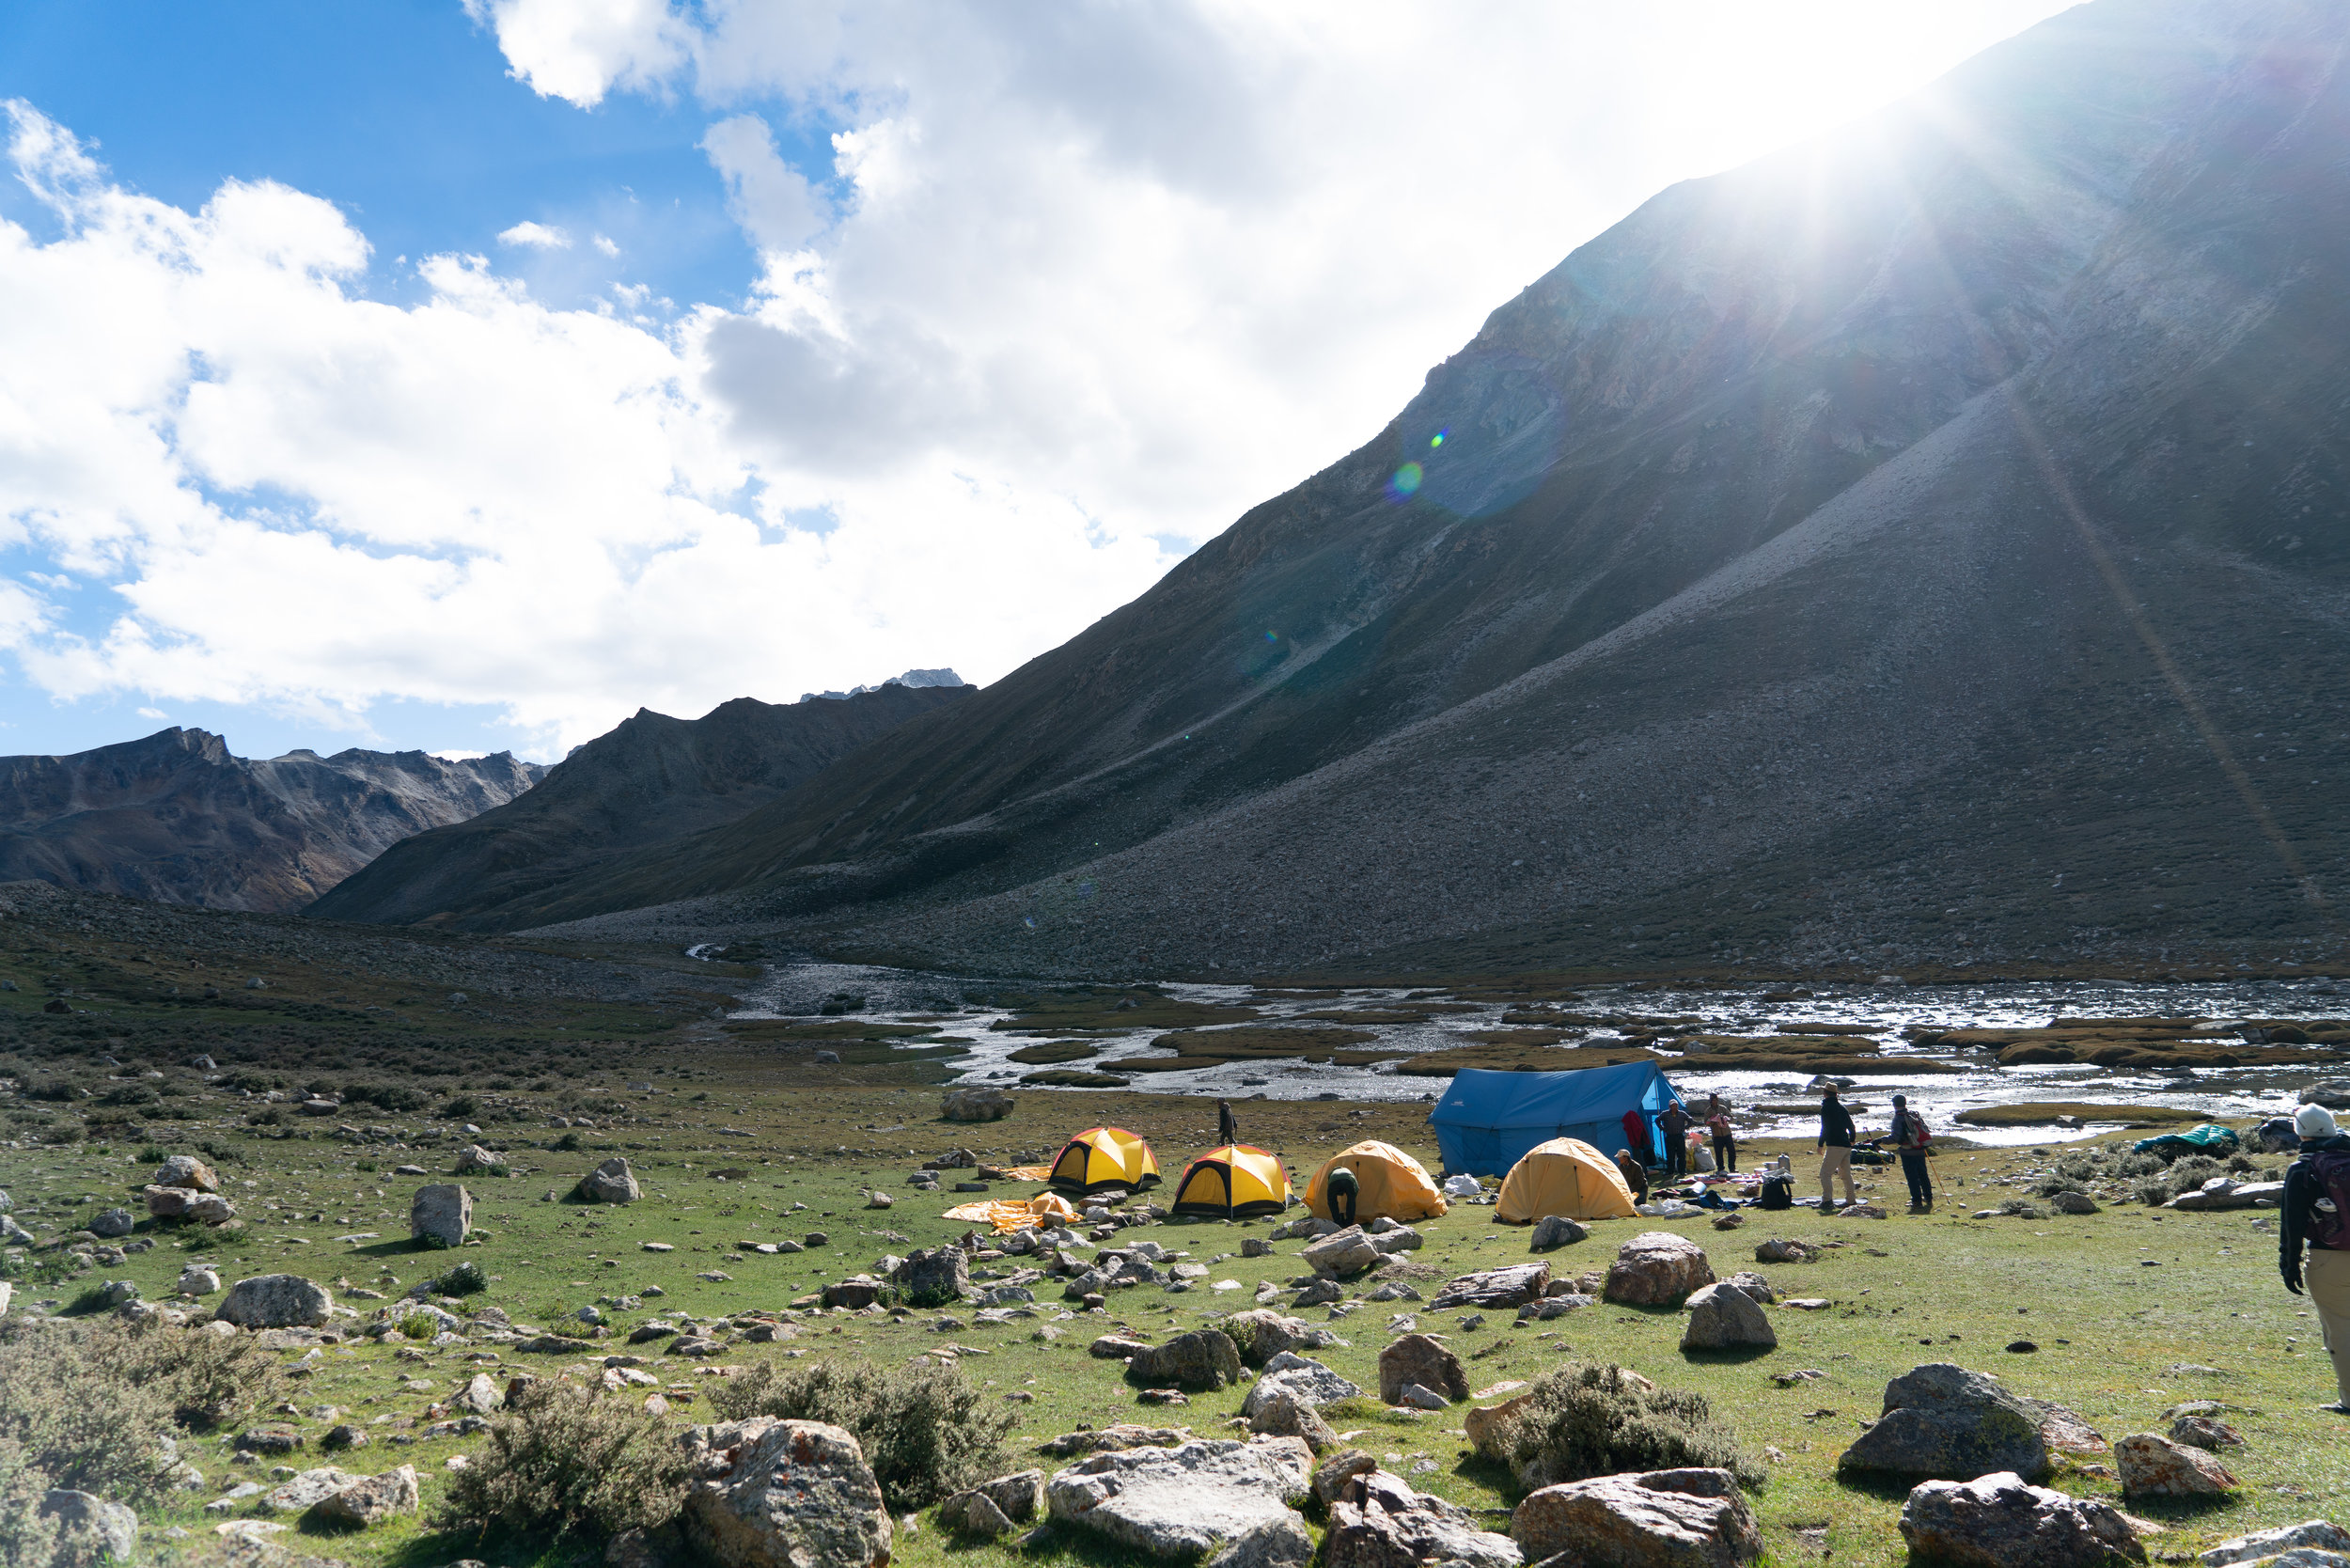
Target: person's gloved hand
2293, 1276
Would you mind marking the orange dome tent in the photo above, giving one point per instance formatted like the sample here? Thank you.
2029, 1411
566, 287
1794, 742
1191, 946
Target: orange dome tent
1235, 1181
1388, 1181
1565, 1176
1103, 1157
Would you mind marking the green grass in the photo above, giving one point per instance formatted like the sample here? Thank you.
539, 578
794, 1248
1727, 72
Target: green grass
1905, 1290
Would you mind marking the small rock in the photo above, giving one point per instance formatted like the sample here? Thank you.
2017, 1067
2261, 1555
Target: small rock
275, 1301
612, 1181
2312, 1535
1417, 1360
367, 1503
2154, 1466
112, 1222
1660, 1519
1999, 1521
1554, 1230
1723, 1317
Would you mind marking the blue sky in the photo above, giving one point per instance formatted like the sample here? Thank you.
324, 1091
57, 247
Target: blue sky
860, 337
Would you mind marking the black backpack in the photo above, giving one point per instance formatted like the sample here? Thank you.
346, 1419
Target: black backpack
1779, 1192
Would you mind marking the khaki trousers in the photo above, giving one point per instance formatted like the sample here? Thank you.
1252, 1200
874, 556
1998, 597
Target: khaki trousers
1835, 1163
2325, 1274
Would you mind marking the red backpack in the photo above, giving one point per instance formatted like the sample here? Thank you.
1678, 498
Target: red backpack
2332, 1229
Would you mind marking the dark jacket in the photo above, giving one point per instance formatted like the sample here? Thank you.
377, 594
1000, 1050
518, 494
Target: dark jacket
1634, 1176
1834, 1124
2298, 1210
1904, 1136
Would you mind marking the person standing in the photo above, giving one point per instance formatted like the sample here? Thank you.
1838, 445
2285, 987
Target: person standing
1227, 1130
2316, 1211
1673, 1122
1909, 1141
1835, 1150
1725, 1138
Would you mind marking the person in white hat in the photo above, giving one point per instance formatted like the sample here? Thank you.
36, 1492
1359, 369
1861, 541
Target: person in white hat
2316, 1211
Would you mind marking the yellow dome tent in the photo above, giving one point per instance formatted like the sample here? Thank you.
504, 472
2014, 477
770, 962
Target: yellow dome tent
1101, 1157
1234, 1181
1387, 1182
1565, 1176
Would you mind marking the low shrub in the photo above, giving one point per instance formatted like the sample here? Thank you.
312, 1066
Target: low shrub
1586, 1420
419, 1325
927, 1430
2193, 1171
2023, 1208
568, 1464
466, 1278
2048, 1186
2152, 1191
2142, 1163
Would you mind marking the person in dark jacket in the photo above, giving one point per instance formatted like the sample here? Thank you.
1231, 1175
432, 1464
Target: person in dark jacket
1835, 1149
1908, 1138
1341, 1192
1227, 1130
2313, 1213
1635, 1175
1636, 1136
1673, 1122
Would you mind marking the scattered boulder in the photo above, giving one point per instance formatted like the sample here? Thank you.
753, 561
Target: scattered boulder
612, 1181
1419, 1396
186, 1170
1287, 1416
767, 1493
1946, 1422
2333, 1094
112, 1223
275, 1301
198, 1280
1753, 1286
1780, 1250
977, 1104
1280, 1542
2207, 1433
116, 1526
475, 1157
1318, 1293
1308, 1380
1657, 1268
2154, 1466
1115, 1437
1341, 1254
1553, 1230
1378, 1521
2001, 1521
1416, 1358
210, 1208
441, 1215
168, 1203
2311, 1535
1689, 1518
367, 1503
480, 1395
1723, 1317
933, 1278
2072, 1203
1204, 1358
995, 1507
1513, 1286
1262, 1334
1181, 1503
305, 1491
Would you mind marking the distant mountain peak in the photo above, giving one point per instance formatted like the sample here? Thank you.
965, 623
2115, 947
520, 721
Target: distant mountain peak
914, 678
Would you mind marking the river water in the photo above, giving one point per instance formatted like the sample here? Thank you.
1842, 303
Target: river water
1760, 1098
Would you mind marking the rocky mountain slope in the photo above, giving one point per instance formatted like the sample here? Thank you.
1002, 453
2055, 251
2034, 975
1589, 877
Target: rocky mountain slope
651, 781
175, 818
1925, 542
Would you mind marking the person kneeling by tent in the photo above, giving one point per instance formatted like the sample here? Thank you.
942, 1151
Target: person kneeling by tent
1635, 1175
1341, 1190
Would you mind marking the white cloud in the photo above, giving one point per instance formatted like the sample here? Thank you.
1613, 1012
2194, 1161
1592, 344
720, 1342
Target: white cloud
1076, 280
153, 714
606, 245
539, 236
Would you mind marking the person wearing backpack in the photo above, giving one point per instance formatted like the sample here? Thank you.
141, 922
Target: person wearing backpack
1909, 1140
2316, 1210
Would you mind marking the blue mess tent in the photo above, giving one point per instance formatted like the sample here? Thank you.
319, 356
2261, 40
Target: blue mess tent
1486, 1121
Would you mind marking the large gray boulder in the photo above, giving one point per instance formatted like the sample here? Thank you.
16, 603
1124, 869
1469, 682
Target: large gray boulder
1553, 1230
1180, 1504
1204, 1358
275, 1301
115, 1528
766, 1493
1657, 1268
1513, 1286
1416, 1358
367, 1503
306, 1491
1724, 1317
1691, 1518
2154, 1466
1946, 1422
1378, 1521
993, 1507
612, 1181
185, 1170
1341, 1254
112, 1223
2001, 1521
2312, 1535
2333, 1094
1262, 1334
933, 1278
977, 1104
1285, 1415
441, 1215
1301, 1377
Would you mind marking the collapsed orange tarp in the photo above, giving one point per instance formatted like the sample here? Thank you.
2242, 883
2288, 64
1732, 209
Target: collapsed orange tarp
1016, 1214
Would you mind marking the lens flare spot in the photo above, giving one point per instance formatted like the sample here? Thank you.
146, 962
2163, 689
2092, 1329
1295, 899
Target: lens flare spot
1406, 480
1437, 439
1273, 636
